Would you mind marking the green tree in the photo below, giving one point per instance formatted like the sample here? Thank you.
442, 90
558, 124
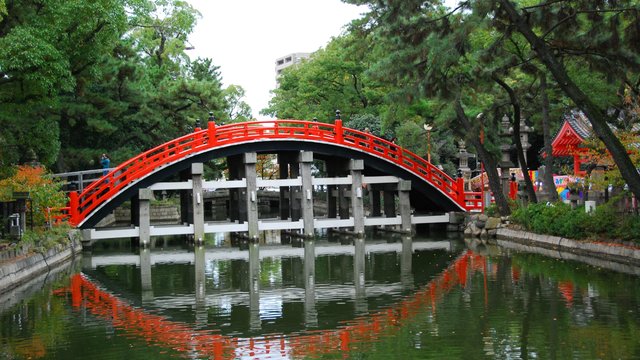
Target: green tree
146, 92
437, 54
48, 48
333, 78
603, 34
236, 109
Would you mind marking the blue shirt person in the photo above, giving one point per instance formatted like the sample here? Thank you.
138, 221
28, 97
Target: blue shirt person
105, 162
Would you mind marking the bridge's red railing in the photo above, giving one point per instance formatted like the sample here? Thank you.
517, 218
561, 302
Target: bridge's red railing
136, 168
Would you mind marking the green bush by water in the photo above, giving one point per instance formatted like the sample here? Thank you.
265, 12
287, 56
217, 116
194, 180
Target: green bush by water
560, 220
41, 240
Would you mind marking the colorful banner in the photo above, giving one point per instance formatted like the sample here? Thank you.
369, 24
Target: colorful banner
561, 181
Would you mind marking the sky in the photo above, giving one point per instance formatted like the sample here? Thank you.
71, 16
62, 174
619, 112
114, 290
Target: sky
245, 37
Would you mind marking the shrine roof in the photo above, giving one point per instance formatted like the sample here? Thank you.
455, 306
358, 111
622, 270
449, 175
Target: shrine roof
574, 130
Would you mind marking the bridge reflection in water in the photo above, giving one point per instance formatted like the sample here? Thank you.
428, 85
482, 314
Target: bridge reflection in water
203, 339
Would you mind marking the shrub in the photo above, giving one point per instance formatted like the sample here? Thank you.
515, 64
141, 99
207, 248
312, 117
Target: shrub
45, 193
560, 220
41, 240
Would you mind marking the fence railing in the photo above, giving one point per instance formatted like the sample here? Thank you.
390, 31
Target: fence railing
78, 180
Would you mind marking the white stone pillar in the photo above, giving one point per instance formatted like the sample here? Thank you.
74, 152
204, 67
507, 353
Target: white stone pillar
144, 205
198, 202
305, 161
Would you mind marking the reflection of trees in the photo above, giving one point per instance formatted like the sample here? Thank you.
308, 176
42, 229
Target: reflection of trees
534, 307
34, 326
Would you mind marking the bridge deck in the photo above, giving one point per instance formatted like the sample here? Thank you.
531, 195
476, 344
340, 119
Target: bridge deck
213, 227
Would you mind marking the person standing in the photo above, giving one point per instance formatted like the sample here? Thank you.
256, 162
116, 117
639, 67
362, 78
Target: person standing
105, 162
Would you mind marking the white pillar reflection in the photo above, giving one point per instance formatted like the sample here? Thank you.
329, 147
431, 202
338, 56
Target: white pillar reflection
254, 287
406, 275
310, 311
361, 307
145, 275
201, 303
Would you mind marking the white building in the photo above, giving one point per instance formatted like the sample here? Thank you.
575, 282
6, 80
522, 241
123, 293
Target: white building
289, 60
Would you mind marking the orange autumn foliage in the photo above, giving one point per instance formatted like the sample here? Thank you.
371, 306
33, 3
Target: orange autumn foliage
44, 192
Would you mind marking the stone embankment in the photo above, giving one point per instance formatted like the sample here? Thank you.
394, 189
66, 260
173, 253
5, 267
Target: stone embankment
483, 226
20, 264
609, 251
488, 228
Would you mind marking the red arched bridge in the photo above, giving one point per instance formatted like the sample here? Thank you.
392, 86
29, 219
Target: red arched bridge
433, 189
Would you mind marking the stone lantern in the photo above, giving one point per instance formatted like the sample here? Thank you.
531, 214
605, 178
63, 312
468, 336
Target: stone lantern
505, 162
525, 130
463, 168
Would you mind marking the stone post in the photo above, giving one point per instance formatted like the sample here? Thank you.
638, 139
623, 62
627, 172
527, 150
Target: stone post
306, 160
404, 189
145, 196
197, 170
251, 194
356, 166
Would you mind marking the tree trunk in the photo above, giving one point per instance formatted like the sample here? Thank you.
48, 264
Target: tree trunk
596, 116
516, 138
490, 165
549, 184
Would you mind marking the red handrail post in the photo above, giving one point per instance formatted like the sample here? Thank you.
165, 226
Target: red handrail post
338, 129
211, 132
461, 194
74, 211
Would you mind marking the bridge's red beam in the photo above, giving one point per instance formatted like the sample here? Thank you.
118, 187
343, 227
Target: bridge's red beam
158, 330
216, 136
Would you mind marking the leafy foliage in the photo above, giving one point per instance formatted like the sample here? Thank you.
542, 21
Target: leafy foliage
41, 240
119, 81
560, 220
597, 154
334, 78
44, 192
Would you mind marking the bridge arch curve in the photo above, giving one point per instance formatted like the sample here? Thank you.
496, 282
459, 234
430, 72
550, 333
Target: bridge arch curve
432, 189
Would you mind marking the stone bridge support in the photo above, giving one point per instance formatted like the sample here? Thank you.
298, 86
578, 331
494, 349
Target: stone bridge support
356, 166
197, 170
305, 160
144, 211
251, 194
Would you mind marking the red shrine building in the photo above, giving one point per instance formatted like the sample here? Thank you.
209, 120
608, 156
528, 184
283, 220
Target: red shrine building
569, 139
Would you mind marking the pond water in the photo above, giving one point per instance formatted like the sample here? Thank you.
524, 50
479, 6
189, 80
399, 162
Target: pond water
379, 298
